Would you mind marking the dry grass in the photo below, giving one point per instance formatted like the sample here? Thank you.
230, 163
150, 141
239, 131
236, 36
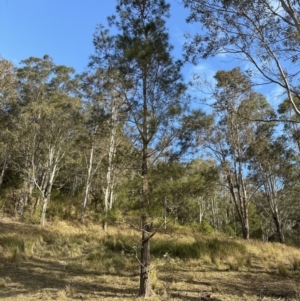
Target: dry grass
65, 261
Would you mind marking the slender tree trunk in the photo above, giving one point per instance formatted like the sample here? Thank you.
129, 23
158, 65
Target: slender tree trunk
245, 224
214, 210
111, 195
47, 194
165, 213
279, 229
241, 206
87, 185
109, 175
43, 186
277, 222
201, 209
146, 227
26, 194
145, 281
3, 170
271, 190
44, 209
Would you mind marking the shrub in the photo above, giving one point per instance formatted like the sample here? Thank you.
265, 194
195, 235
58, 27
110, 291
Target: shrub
206, 228
229, 230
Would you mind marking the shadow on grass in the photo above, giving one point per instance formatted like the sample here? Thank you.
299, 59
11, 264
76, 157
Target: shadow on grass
35, 275
236, 284
200, 296
261, 284
27, 275
26, 229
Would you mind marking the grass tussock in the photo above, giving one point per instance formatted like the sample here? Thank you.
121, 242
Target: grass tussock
283, 270
295, 264
2, 283
15, 246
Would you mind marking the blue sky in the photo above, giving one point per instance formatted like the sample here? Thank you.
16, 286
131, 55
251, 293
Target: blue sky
64, 29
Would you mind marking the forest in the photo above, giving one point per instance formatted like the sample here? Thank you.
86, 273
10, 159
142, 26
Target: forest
128, 142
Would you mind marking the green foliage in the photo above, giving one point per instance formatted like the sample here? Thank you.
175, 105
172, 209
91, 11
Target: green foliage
233, 78
112, 217
58, 208
47, 119
206, 227
32, 215
229, 230
254, 222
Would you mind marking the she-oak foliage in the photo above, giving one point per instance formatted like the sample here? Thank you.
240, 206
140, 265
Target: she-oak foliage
154, 94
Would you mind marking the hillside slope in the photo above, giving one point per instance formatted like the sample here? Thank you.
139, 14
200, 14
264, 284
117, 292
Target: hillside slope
71, 262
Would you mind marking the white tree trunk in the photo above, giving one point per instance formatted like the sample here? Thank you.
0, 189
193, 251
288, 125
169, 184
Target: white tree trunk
3, 170
109, 190
53, 160
47, 194
87, 185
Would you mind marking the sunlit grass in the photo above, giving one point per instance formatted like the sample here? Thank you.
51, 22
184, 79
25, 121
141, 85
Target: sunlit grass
90, 256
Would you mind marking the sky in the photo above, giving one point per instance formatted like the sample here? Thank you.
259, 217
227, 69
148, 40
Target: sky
64, 30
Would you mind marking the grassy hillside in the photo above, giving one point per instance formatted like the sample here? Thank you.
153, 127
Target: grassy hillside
74, 262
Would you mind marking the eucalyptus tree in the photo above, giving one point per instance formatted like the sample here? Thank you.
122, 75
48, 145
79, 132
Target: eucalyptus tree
199, 187
271, 164
90, 139
101, 91
264, 33
153, 92
291, 137
291, 123
8, 103
7, 81
205, 175
229, 140
48, 118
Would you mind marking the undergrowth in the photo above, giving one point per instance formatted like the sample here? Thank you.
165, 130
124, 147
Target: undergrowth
118, 249
215, 248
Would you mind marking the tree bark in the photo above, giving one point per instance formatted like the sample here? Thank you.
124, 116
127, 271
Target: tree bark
241, 206
87, 186
145, 280
108, 196
46, 193
279, 228
3, 170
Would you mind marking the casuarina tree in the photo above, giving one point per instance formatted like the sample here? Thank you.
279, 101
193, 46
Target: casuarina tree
153, 91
